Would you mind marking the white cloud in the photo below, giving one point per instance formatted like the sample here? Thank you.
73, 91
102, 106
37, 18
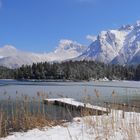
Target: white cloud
91, 37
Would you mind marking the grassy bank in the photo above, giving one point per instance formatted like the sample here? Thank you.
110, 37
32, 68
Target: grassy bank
26, 113
23, 114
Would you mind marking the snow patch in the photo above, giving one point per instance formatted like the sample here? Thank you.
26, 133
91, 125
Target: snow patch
111, 127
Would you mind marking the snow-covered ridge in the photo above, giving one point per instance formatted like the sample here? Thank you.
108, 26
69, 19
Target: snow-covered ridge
13, 58
67, 49
119, 46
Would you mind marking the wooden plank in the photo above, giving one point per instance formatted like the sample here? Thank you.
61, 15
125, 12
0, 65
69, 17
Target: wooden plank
72, 104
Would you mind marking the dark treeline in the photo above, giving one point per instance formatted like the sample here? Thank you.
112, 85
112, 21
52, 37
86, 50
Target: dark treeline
78, 70
6, 73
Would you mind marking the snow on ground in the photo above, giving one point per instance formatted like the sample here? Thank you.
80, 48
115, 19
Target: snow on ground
106, 127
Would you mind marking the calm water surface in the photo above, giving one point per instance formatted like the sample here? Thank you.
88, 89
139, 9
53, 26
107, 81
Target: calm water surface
96, 92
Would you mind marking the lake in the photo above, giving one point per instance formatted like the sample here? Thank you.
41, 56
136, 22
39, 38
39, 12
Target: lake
94, 91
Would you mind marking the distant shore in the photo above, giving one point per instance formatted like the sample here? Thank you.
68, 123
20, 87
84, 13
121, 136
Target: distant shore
68, 80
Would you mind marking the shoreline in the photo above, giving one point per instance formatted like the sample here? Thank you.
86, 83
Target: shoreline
66, 80
115, 125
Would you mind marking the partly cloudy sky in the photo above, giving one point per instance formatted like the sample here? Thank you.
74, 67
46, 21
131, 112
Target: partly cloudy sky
38, 25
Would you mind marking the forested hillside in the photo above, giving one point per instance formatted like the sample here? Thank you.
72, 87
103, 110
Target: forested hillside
6, 73
78, 70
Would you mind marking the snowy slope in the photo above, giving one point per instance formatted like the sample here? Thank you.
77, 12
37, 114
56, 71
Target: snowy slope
120, 46
131, 47
13, 58
136, 59
105, 127
106, 47
67, 49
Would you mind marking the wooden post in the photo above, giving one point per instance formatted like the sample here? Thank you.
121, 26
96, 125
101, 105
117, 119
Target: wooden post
123, 111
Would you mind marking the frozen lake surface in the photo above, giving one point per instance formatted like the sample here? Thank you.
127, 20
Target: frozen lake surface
94, 91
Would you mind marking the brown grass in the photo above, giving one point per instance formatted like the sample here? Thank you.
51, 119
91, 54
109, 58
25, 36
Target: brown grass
23, 114
106, 126
30, 113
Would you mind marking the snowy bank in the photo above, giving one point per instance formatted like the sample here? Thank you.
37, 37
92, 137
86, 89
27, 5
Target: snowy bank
115, 126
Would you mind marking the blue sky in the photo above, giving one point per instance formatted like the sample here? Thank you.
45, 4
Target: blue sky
38, 25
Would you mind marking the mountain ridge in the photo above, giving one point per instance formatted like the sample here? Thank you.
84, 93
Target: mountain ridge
115, 46
13, 58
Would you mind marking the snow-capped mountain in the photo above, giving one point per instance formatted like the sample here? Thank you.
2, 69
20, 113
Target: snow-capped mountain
67, 49
13, 58
130, 53
120, 46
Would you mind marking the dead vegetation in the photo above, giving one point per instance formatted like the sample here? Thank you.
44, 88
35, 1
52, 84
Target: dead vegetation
23, 114
29, 113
